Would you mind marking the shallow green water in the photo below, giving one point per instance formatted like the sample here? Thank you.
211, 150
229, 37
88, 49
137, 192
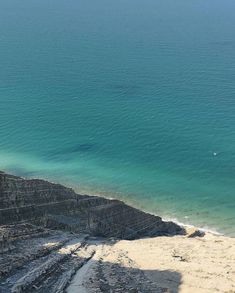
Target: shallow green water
131, 99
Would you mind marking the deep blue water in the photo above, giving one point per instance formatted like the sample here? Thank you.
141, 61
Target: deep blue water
131, 99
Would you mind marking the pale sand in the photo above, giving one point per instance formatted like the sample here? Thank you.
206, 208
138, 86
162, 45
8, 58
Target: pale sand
178, 264
197, 265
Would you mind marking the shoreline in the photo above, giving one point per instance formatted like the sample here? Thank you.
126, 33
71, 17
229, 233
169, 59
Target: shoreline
164, 218
167, 219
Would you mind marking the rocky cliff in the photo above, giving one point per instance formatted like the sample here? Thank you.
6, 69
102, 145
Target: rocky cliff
48, 234
55, 206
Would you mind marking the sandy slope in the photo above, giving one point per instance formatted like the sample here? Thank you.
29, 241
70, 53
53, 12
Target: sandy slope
161, 264
184, 264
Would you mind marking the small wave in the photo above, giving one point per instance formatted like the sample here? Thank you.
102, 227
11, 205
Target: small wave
204, 229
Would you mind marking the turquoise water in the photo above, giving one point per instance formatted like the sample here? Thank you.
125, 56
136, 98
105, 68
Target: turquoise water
130, 99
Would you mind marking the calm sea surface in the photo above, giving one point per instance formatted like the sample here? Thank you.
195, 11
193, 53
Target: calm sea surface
131, 99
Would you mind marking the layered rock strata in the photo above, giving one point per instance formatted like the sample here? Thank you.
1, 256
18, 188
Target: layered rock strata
47, 236
55, 206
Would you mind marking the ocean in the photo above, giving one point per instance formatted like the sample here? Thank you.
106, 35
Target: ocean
130, 99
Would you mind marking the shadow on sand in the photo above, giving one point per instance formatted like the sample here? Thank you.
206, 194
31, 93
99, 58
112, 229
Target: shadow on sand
110, 277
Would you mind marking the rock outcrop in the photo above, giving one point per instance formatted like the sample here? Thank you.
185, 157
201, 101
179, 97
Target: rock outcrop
48, 233
58, 207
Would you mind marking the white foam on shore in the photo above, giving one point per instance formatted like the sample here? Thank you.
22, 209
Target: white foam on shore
204, 229
175, 220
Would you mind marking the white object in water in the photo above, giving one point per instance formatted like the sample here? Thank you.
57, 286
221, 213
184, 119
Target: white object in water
214, 154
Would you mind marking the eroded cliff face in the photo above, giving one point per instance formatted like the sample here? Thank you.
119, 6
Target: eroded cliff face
58, 207
38, 252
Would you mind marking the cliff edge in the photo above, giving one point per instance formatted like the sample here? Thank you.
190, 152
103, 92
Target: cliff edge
55, 206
